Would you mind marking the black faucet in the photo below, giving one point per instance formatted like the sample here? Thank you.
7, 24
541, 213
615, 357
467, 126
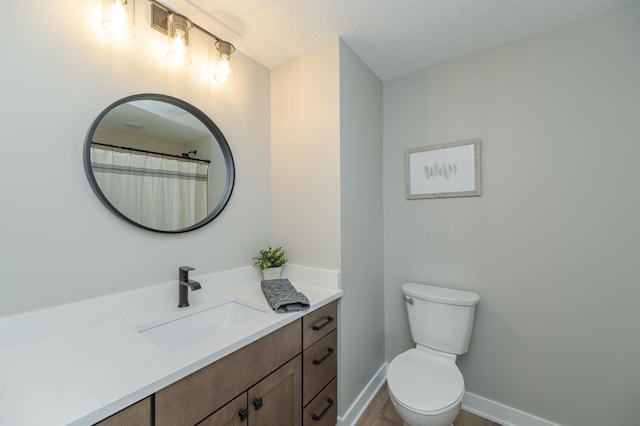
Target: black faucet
184, 284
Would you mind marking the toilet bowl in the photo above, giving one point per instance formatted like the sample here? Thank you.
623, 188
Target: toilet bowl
426, 389
425, 384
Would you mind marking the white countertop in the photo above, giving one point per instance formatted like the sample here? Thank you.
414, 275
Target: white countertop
81, 375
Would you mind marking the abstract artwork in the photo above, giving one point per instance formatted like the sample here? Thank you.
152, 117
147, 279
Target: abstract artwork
440, 171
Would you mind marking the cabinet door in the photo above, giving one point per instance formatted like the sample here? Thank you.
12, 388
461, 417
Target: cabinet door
136, 415
276, 400
234, 413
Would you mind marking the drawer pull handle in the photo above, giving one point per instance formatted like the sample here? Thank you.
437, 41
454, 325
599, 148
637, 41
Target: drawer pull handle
317, 417
257, 403
244, 413
330, 352
322, 325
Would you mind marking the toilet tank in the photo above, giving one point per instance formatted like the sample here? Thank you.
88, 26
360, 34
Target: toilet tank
440, 318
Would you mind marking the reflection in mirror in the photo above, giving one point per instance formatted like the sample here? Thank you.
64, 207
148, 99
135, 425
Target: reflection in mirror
159, 163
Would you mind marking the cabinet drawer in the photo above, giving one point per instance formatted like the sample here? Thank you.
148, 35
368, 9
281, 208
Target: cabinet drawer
194, 397
319, 323
323, 410
136, 415
319, 365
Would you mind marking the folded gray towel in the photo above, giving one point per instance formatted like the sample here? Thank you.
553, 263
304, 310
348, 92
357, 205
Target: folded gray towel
283, 297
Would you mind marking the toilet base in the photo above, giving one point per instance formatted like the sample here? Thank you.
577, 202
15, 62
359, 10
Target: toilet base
407, 424
411, 418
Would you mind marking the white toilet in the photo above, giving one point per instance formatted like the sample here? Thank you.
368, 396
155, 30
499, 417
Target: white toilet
425, 384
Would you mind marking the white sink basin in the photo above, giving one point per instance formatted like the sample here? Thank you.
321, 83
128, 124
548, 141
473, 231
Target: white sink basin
185, 328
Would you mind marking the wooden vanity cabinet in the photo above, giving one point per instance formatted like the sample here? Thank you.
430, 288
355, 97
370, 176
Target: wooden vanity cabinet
323, 409
234, 413
319, 323
287, 378
319, 367
193, 398
138, 414
275, 400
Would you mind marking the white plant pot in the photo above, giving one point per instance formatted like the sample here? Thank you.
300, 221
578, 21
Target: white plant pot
271, 273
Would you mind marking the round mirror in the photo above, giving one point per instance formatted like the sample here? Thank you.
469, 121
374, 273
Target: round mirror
159, 163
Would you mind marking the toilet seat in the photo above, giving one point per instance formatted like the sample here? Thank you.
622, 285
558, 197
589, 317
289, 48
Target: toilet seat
425, 383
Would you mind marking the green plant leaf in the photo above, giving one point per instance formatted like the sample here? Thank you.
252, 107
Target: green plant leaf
270, 258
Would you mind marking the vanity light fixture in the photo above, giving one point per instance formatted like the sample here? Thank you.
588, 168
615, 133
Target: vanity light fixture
118, 17
176, 27
178, 31
225, 65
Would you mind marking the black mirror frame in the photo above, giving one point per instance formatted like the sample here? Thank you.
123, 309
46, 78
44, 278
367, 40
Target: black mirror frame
208, 123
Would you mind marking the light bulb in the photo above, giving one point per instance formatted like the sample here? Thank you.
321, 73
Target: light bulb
178, 30
224, 72
178, 51
118, 18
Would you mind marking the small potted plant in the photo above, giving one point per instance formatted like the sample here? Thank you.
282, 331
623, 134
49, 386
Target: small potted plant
270, 261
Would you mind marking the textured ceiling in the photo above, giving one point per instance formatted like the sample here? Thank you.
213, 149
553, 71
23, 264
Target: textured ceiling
393, 37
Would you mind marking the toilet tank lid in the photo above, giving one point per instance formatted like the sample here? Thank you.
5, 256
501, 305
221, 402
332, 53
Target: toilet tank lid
441, 295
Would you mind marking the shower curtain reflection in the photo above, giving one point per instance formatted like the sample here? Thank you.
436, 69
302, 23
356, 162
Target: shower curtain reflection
157, 192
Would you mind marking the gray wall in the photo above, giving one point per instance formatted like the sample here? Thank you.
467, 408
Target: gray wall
59, 243
327, 192
362, 322
305, 157
552, 245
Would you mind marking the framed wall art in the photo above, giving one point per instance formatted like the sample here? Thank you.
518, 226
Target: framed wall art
440, 171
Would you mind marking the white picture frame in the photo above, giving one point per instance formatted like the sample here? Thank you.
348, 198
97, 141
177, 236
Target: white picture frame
440, 171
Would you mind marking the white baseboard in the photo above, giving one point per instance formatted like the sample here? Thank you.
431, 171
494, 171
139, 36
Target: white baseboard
476, 404
500, 413
353, 414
